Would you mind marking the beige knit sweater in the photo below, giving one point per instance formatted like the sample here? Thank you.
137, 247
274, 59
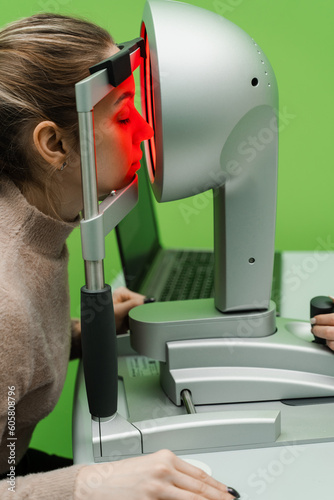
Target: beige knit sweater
35, 335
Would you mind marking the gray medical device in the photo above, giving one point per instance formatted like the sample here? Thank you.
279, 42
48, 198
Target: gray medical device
211, 96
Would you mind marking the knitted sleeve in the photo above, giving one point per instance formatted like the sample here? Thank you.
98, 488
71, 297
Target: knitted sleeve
28, 366
54, 485
16, 374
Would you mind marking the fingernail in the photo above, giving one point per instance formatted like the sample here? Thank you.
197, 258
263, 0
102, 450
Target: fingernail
149, 300
233, 492
331, 297
313, 321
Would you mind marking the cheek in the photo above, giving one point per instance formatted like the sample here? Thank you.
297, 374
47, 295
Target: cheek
124, 147
120, 146
113, 145
104, 131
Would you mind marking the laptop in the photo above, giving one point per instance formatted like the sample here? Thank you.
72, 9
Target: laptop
161, 273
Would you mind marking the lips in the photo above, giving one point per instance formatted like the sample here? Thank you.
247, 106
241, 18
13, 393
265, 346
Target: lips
138, 157
134, 167
137, 160
136, 164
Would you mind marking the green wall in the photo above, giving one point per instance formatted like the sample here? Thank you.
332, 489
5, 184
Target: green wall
298, 38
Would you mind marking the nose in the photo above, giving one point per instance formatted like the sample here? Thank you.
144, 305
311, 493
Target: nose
143, 131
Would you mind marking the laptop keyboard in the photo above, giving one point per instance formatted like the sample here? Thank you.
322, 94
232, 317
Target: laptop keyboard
191, 277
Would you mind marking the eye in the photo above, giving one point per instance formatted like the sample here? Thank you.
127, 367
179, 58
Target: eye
125, 121
123, 116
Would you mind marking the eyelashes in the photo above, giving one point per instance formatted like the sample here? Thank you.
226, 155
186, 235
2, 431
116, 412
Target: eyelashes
125, 121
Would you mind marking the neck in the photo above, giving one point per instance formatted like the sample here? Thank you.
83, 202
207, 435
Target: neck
60, 204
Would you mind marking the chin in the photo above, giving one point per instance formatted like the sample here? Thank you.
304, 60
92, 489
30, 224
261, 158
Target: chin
132, 171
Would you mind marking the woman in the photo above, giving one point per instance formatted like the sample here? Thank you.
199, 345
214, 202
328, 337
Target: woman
41, 59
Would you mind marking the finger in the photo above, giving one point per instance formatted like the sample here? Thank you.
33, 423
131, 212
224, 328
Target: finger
202, 487
172, 492
133, 295
324, 332
123, 308
323, 319
330, 344
198, 478
123, 294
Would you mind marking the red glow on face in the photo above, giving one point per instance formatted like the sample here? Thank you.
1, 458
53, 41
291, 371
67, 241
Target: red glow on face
148, 103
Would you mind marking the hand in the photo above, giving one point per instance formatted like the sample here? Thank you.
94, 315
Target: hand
159, 476
124, 300
323, 327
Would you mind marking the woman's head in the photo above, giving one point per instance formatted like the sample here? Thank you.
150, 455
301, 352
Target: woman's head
41, 59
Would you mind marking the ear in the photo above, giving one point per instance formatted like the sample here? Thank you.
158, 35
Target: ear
50, 143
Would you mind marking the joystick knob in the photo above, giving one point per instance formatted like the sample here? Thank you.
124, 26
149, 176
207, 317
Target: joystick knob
321, 305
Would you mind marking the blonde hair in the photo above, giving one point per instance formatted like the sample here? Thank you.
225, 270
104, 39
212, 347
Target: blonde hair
41, 59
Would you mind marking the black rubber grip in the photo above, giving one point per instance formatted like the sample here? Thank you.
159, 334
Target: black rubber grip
321, 305
99, 351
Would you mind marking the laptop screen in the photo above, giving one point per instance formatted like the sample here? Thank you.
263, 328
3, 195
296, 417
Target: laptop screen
137, 235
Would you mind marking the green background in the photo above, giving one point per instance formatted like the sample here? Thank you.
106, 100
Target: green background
298, 38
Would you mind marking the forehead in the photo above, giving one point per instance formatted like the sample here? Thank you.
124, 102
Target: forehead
119, 95
125, 90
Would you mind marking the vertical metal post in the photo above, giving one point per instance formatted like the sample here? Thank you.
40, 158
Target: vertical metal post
93, 269
98, 331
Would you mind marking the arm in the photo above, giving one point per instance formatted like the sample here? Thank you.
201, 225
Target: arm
160, 476
58, 484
